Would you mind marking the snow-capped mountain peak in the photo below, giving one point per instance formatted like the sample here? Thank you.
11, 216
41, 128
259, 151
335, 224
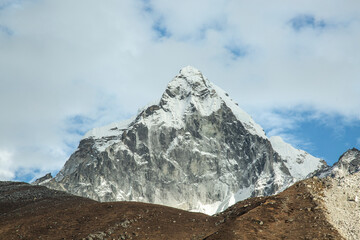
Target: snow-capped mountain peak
195, 149
194, 77
191, 91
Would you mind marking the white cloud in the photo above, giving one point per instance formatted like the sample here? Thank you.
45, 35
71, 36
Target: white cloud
6, 165
284, 124
104, 61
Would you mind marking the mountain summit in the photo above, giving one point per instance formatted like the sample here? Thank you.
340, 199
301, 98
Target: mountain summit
195, 150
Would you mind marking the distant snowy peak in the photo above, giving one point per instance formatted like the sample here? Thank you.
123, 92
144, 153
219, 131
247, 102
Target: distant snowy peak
299, 162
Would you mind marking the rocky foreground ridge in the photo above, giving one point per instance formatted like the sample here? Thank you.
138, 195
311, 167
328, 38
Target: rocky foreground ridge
194, 150
310, 209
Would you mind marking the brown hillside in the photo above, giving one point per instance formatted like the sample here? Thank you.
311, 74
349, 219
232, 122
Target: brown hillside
34, 212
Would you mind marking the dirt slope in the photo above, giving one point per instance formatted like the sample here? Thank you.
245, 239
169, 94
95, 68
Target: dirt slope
296, 213
34, 212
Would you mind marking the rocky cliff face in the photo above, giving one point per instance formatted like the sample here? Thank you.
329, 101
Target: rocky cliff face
195, 150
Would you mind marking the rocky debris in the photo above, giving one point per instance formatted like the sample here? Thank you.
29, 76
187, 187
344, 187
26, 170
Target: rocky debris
96, 236
194, 150
109, 233
341, 200
340, 196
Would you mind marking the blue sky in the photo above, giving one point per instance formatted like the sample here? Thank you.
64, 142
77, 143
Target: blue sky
68, 66
328, 142
325, 136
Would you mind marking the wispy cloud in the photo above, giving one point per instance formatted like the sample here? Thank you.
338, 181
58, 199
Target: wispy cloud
284, 123
236, 51
160, 30
4, 4
6, 165
6, 30
307, 21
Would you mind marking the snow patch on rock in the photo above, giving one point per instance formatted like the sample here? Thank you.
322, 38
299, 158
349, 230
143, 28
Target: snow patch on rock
299, 162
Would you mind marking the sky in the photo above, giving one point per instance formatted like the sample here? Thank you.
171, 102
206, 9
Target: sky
69, 66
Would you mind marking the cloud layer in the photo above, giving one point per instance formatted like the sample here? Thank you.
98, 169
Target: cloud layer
67, 66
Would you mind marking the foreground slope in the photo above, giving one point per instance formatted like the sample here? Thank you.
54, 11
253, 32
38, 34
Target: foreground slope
342, 201
35, 212
297, 213
195, 150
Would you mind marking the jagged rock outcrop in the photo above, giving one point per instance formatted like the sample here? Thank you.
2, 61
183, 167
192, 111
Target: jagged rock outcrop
195, 150
348, 163
43, 179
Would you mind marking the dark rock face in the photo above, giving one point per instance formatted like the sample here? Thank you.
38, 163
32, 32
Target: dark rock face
192, 151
